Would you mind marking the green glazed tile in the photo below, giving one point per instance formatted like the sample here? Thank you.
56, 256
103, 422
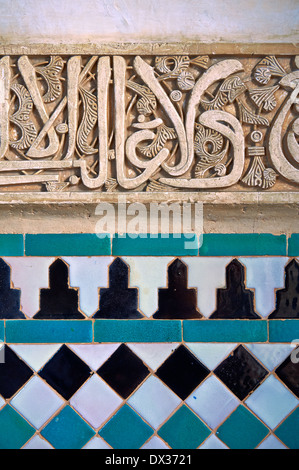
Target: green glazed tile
243, 244
126, 430
68, 430
155, 245
139, 331
48, 331
11, 244
67, 244
242, 430
15, 431
293, 245
231, 331
288, 430
184, 430
284, 331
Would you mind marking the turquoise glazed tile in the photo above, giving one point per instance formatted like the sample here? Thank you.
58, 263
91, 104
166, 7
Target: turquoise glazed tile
242, 430
2, 330
11, 244
245, 331
15, 431
66, 244
155, 245
284, 331
243, 244
184, 430
139, 331
126, 430
67, 430
287, 432
48, 331
293, 245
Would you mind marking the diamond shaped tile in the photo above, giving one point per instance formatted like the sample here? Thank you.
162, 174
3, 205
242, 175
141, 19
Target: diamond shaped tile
126, 430
288, 372
242, 430
154, 401
65, 372
211, 354
96, 443
123, 371
272, 402
155, 443
94, 355
184, 430
182, 372
287, 432
67, 430
271, 442
271, 355
37, 443
35, 355
213, 443
37, 402
212, 401
153, 354
14, 373
95, 401
17, 430
2, 402
241, 372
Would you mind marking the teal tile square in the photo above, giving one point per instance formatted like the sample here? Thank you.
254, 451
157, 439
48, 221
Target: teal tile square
184, 430
283, 331
68, 430
11, 244
293, 245
126, 430
48, 331
137, 331
15, 431
243, 244
67, 244
242, 430
288, 431
231, 331
168, 244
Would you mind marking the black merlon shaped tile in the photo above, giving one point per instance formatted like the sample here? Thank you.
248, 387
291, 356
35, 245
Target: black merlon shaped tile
241, 372
123, 371
9, 298
14, 373
182, 372
177, 302
59, 301
65, 372
118, 301
235, 301
287, 299
288, 372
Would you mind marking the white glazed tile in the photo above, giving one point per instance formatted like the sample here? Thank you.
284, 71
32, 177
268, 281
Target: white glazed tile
30, 274
95, 401
2, 353
37, 443
2, 402
153, 354
211, 354
271, 442
213, 443
271, 355
212, 401
155, 443
89, 274
207, 275
154, 401
36, 355
148, 274
37, 402
264, 274
272, 402
94, 355
96, 443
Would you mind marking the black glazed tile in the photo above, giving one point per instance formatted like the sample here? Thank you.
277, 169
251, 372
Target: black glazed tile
182, 372
235, 301
241, 372
65, 372
14, 373
118, 301
287, 299
59, 301
123, 371
177, 301
9, 298
288, 372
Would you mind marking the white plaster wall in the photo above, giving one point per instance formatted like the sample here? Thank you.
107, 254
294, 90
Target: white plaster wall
95, 21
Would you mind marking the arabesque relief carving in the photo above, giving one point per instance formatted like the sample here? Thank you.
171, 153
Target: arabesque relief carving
145, 123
